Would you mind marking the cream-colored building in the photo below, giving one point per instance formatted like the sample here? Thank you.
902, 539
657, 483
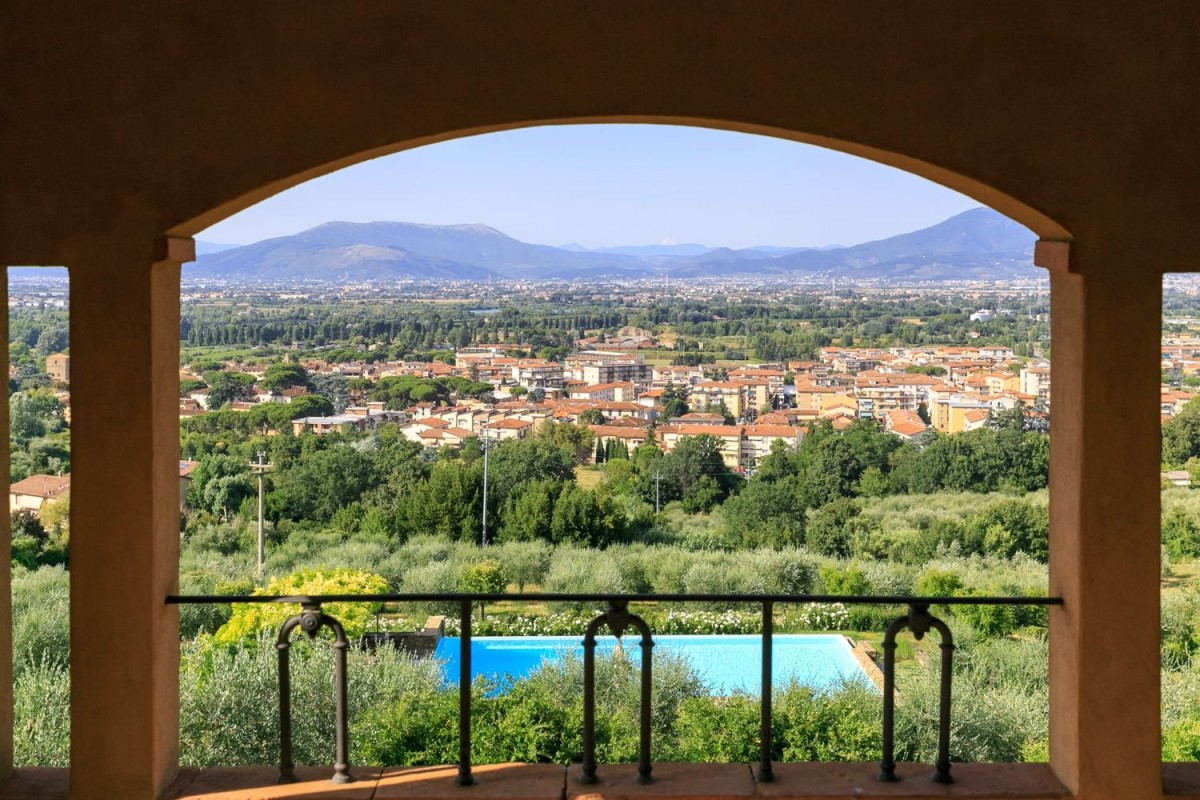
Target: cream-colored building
58, 367
34, 492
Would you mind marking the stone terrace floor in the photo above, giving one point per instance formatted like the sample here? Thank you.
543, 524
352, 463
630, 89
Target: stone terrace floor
550, 782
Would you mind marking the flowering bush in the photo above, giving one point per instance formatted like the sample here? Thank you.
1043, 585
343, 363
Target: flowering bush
248, 619
563, 624
574, 623
823, 616
710, 622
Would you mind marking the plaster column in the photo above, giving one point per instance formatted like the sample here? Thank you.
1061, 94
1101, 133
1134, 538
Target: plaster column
1104, 524
6, 628
125, 519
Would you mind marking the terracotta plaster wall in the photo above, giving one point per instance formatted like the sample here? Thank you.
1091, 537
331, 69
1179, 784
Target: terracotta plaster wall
123, 121
164, 116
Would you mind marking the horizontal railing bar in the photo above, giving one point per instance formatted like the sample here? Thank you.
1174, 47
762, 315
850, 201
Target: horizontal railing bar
492, 597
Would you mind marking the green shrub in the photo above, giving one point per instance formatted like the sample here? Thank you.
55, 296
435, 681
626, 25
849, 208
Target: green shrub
787, 571
989, 620
248, 620
536, 719
25, 550
222, 538
582, 571
718, 729
42, 722
840, 724
229, 707
525, 562
1181, 741
935, 582
1008, 711
438, 577
41, 617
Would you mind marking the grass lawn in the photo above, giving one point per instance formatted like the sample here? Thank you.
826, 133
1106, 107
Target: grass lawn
588, 477
1181, 575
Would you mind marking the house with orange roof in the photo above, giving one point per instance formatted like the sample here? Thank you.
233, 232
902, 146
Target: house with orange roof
840, 405
811, 396
949, 413
730, 437
1172, 402
996, 352
34, 492
632, 436
908, 430
975, 419
1003, 381
758, 439
509, 428
773, 377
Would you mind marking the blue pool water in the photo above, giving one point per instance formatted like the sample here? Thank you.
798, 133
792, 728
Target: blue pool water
725, 663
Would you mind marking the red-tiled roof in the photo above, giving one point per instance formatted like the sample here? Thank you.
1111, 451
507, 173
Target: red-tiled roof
41, 486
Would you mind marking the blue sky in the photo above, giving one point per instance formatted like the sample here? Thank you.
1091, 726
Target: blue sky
610, 185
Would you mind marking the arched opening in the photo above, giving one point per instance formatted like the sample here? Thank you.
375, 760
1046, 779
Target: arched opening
1039, 222
159, 300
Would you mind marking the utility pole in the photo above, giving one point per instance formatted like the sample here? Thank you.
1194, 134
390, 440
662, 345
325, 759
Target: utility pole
485, 442
657, 483
259, 468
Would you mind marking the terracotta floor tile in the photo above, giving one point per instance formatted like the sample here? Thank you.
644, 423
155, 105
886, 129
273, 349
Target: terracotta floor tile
259, 783
674, 781
839, 781
493, 781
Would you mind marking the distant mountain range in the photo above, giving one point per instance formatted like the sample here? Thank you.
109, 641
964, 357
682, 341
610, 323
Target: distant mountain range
979, 244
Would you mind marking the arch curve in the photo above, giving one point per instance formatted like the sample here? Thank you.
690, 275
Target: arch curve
1037, 221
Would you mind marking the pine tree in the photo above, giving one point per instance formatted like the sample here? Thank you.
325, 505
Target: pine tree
600, 454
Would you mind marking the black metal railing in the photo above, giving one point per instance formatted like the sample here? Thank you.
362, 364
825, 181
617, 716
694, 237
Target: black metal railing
617, 618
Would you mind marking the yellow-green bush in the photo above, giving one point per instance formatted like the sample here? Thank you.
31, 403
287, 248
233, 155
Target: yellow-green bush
248, 619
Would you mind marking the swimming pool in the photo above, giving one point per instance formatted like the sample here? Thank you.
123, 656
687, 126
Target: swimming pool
726, 664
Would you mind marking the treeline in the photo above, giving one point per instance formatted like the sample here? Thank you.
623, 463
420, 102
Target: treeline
39, 441
791, 327
381, 486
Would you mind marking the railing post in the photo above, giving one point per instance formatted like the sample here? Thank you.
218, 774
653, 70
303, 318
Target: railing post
617, 618
341, 767
887, 764
310, 620
464, 777
283, 644
644, 766
941, 772
765, 772
919, 621
589, 701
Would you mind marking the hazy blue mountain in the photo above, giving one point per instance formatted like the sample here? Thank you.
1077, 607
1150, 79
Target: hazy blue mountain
309, 258
204, 248
460, 251
978, 244
652, 250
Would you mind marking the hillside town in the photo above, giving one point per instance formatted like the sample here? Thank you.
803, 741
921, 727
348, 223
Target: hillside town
908, 390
